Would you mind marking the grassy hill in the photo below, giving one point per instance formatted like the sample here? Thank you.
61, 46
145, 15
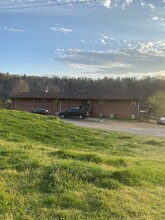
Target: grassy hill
53, 170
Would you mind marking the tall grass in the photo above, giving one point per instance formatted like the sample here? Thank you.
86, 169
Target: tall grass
53, 170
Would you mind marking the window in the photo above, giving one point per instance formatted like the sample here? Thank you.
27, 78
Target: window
133, 103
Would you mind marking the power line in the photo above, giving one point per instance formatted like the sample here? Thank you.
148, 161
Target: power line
24, 3
41, 5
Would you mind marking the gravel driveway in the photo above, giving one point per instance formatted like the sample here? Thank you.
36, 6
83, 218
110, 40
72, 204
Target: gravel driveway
133, 127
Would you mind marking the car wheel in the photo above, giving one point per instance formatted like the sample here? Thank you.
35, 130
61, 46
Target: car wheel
81, 117
62, 116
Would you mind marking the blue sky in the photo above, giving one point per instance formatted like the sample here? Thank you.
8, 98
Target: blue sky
77, 38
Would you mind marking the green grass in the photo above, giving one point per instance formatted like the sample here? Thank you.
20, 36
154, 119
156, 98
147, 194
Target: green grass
53, 170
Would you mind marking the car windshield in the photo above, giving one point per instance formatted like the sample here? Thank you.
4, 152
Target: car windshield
73, 109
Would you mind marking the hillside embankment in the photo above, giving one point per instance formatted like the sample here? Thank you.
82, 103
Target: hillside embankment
51, 170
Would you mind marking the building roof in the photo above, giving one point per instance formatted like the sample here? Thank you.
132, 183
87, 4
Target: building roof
76, 96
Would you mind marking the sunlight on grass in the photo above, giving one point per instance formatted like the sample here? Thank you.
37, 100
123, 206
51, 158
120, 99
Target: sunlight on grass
53, 170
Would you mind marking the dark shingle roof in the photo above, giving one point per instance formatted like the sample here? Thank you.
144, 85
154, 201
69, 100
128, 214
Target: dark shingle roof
76, 95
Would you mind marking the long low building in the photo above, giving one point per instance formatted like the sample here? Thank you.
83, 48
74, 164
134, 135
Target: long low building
118, 105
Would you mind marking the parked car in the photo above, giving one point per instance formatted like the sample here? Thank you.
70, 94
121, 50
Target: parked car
40, 111
73, 112
161, 121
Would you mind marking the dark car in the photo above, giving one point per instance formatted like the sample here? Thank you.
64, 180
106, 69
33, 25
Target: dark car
73, 112
40, 111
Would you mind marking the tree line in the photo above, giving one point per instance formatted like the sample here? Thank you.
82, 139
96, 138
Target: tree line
13, 84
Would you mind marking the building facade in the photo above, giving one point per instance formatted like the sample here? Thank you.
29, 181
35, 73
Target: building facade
98, 105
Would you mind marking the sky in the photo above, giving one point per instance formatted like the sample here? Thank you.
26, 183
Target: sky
83, 38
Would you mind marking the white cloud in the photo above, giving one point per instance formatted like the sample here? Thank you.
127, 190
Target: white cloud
83, 41
16, 30
143, 57
152, 48
61, 30
107, 3
123, 4
152, 7
12, 29
99, 68
128, 2
116, 3
104, 39
155, 18
60, 50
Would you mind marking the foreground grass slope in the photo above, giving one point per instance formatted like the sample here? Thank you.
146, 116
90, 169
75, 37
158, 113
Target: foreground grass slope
53, 170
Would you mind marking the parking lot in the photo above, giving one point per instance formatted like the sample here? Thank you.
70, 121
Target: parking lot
133, 127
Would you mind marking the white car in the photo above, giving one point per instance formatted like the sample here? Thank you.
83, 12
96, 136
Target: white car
162, 121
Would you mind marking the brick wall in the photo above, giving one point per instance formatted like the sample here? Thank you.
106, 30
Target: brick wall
54, 106
29, 104
107, 108
119, 109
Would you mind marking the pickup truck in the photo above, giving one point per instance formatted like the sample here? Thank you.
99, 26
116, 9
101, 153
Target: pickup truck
73, 112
